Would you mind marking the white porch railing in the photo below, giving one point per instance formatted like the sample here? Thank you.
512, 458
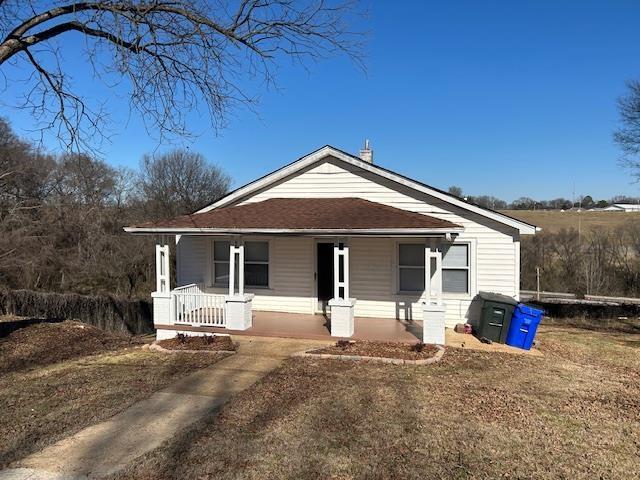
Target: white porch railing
191, 305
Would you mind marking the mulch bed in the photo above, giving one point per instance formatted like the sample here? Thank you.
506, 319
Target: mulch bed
47, 343
363, 348
214, 343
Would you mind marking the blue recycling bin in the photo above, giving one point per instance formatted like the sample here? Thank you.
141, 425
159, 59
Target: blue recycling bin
524, 324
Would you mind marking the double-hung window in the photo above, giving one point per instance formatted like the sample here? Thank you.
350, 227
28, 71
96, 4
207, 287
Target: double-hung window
256, 264
221, 263
410, 267
455, 268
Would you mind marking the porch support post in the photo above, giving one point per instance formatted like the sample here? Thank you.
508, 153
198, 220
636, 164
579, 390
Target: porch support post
433, 315
427, 274
232, 269
438, 277
163, 311
236, 249
162, 267
240, 250
341, 305
341, 258
238, 307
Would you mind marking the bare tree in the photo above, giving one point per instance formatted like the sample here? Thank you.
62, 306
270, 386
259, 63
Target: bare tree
628, 135
455, 190
180, 182
171, 56
80, 179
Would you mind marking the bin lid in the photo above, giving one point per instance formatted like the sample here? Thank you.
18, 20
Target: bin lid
531, 310
497, 297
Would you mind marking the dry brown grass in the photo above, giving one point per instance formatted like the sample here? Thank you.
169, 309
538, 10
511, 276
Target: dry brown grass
574, 413
555, 220
57, 396
47, 343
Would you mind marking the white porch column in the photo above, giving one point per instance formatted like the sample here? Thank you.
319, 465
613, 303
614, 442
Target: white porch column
437, 277
162, 268
340, 257
341, 305
162, 304
433, 314
236, 250
427, 274
238, 307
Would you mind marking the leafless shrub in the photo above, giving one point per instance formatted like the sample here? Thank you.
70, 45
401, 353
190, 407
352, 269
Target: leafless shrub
106, 312
598, 262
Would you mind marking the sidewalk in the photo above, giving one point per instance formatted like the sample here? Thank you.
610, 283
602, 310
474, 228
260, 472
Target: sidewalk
109, 446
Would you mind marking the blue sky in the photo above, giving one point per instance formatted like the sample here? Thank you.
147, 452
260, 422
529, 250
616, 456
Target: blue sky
505, 98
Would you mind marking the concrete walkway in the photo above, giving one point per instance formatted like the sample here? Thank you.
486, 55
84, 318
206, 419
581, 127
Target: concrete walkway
109, 446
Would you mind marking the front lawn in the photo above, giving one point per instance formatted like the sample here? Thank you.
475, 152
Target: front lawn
573, 413
56, 379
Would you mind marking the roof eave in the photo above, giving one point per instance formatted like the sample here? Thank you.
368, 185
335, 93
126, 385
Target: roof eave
296, 231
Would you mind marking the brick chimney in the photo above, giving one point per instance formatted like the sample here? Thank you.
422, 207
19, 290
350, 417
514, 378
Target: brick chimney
366, 154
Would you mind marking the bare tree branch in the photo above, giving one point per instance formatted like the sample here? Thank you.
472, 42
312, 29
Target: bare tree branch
628, 135
173, 57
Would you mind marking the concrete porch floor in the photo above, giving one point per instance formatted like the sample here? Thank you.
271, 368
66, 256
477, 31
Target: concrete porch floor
316, 327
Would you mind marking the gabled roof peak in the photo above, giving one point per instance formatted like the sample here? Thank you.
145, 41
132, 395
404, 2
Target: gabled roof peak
331, 151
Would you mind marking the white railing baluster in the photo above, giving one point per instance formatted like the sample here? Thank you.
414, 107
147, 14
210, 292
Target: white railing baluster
192, 305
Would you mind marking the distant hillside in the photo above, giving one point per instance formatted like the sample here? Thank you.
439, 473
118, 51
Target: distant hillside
555, 220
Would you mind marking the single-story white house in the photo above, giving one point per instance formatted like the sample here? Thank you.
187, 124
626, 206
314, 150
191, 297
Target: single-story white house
333, 233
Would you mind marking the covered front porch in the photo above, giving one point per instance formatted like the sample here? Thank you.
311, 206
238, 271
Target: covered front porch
342, 257
327, 303
317, 327
313, 327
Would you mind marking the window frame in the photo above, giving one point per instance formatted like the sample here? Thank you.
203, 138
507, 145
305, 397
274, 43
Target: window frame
213, 262
467, 269
437, 244
399, 291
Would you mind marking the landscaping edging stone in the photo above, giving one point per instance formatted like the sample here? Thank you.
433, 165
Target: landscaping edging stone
355, 358
154, 346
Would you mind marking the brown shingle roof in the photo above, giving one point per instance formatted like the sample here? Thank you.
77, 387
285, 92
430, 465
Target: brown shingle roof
304, 214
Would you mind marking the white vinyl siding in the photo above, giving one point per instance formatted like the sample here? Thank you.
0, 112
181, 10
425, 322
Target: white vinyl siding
290, 275
495, 249
493, 255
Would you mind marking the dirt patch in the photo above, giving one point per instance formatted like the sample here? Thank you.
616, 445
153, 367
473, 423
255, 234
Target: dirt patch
363, 348
214, 343
47, 343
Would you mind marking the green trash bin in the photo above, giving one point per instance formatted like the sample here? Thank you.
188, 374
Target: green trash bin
495, 316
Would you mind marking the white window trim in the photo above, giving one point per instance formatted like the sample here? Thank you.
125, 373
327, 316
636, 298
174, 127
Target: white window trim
472, 245
472, 269
398, 266
212, 263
